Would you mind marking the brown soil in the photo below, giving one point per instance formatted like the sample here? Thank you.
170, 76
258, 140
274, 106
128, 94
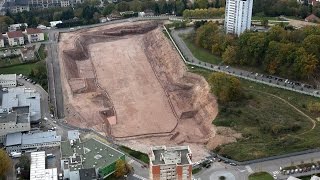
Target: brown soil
127, 81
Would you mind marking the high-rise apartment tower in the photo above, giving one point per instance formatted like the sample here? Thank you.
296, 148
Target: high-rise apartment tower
238, 16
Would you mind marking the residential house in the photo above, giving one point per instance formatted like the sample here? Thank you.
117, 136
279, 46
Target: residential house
34, 35
15, 38
1, 41
312, 18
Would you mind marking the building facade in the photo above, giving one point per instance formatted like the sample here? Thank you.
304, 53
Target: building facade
34, 35
8, 80
1, 41
38, 169
15, 38
32, 141
238, 16
170, 163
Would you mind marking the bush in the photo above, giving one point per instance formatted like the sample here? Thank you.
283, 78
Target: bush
314, 107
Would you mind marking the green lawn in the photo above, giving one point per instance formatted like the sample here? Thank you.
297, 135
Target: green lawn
200, 53
139, 155
24, 69
260, 176
196, 170
268, 18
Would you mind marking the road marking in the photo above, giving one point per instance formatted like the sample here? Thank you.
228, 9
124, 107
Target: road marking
131, 161
249, 169
139, 177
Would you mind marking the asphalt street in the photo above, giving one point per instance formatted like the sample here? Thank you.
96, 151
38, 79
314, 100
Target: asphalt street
252, 76
55, 87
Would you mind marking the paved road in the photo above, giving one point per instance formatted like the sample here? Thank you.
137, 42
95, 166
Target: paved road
218, 169
55, 87
259, 78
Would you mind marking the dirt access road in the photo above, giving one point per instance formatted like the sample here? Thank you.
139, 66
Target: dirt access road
127, 81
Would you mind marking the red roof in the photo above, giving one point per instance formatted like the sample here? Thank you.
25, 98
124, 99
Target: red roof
14, 34
33, 30
312, 17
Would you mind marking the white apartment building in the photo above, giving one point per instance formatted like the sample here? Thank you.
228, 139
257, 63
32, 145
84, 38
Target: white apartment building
38, 169
8, 80
238, 16
34, 35
15, 38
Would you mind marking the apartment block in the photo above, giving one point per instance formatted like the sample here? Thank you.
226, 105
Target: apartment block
170, 163
238, 16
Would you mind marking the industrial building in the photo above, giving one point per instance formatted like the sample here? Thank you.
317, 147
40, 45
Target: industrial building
32, 141
80, 159
22, 99
238, 16
19, 107
8, 80
38, 169
171, 163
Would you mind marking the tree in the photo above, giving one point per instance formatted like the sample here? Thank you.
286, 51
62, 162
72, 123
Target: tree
24, 164
180, 6
202, 4
230, 55
121, 168
5, 163
135, 6
123, 6
264, 22
108, 9
227, 88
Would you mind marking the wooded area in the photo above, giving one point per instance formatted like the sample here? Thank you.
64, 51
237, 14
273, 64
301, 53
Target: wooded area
293, 54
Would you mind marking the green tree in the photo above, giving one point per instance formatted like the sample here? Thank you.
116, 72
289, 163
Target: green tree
24, 164
108, 9
121, 168
312, 45
305, 64
227, 88
230, 55
264, 22
5, 163
135, 6
180, 6
123, 6
202, 4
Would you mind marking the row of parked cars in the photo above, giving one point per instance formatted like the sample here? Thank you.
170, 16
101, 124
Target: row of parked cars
27, 79
207, 162
300, 170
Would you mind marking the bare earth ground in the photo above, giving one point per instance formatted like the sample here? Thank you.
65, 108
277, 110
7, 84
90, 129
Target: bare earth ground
128, 82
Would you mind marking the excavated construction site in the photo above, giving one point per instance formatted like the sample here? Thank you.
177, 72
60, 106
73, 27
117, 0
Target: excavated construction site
127, 81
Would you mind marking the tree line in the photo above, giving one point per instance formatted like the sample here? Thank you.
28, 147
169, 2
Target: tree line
204, 13
291, 53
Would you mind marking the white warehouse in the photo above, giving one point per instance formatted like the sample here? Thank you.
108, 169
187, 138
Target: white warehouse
238, 16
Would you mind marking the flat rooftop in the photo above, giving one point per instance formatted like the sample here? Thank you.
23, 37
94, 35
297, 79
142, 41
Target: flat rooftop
22, 100
170, 155
93, 153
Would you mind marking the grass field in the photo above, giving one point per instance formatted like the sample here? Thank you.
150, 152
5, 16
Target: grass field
139, 155
24, 69
268, 125
268, 18
260, 176
201, 54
